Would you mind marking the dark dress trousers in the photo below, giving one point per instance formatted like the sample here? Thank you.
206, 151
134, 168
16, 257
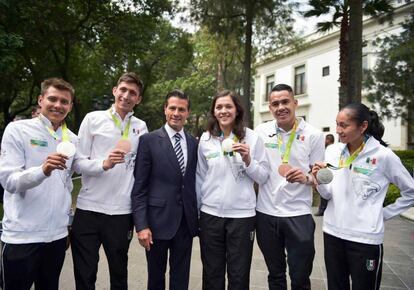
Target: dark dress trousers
165, 201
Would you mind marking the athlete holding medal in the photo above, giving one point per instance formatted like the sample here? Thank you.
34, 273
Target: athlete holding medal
231, 158
35, 169
105, 157
284, 220
353, 221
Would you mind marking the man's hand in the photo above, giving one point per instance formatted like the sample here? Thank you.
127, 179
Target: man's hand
116, 156
244, 150
145, 238
296, 175
54, 161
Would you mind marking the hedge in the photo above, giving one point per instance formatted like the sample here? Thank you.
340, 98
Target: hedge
407, 159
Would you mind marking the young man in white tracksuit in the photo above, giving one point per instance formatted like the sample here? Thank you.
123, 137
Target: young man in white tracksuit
37, 196
353, 222
108, 142
284, 220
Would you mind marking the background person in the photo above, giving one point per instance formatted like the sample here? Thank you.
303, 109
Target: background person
353, 223
36, 110
226, 196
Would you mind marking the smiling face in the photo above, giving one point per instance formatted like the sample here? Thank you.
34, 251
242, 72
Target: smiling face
176, 112
347, 128
283, 106
127, 95
55, 105
225, 112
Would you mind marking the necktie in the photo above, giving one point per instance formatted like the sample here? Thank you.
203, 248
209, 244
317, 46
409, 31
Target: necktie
179, 152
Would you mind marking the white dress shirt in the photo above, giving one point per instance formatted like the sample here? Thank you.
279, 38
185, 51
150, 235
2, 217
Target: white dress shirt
183, 141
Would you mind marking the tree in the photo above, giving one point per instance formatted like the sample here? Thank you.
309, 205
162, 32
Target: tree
391, 84
350, 44
9, 69
67, 39
243, 19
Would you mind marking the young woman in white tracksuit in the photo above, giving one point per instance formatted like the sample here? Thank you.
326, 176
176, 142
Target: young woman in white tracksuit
353, 222
226, 196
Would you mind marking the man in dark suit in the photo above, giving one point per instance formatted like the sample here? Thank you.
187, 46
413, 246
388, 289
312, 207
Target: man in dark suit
164, 201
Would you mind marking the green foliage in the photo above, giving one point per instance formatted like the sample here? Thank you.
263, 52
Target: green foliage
407, 159
340, 8
244, 22
392, 195
391, 82
90, 44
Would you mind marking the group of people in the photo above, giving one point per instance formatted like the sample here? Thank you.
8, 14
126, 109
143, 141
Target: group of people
171, 188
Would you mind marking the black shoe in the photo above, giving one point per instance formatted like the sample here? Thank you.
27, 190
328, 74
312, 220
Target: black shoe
319, 213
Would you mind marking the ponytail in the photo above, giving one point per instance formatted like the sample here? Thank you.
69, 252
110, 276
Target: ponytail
376, 128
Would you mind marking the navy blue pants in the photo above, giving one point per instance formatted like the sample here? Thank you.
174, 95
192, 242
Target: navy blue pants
179, 249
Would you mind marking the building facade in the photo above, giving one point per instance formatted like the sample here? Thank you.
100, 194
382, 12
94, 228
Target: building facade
313, 73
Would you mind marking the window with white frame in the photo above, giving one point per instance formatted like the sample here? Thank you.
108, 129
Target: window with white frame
270, 82
300, 80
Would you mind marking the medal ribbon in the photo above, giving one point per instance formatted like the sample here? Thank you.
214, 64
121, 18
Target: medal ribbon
235, 139
286, 155
125, 131
350, 159
65, 135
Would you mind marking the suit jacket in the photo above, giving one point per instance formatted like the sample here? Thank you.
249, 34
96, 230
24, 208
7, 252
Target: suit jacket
161, 194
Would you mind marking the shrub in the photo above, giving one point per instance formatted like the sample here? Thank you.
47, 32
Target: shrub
407, 159
392, 194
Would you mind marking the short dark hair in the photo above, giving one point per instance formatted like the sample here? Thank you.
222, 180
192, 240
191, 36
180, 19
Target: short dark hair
178, 94
282, 87
330, 137
57, 83
239, 127
35, 108
130, 77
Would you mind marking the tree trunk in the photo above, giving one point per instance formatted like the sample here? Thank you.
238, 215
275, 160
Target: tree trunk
354, 84
220, 74
247, 62
343, 56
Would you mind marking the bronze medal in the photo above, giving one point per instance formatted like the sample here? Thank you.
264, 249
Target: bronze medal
284, 169
123, 145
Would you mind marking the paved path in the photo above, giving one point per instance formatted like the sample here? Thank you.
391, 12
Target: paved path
398, 270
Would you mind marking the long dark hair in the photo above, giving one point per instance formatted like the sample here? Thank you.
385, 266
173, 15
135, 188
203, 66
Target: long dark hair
212, 124
361, 113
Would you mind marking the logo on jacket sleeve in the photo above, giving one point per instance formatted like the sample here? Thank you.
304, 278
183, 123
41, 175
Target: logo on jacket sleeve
371, 265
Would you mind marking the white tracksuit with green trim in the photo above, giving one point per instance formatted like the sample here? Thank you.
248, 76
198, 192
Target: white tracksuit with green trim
224, 184
356, 194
